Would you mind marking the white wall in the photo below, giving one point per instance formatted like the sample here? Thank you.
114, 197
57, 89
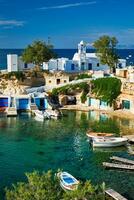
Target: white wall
12, 63
22, 66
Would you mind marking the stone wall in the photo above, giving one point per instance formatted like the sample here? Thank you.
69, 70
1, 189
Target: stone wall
127, 88
56, 78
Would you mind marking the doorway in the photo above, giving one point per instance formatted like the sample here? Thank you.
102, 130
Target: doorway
58, 81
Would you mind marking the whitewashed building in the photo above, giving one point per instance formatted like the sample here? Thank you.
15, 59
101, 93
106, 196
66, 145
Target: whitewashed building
81, 61
15, 63
12, 63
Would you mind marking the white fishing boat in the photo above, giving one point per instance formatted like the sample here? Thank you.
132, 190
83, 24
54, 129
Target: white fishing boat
92, 135
54, 114
67, 181
109, 142
41, 115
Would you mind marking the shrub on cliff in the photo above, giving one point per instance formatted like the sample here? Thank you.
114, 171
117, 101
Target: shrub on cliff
46, 186
107, 89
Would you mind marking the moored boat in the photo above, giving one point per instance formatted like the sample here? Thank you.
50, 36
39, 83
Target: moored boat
53, 113
109, 142
92, 135
41, 115
67, 181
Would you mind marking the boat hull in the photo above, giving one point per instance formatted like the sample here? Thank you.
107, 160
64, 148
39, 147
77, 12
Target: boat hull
65, 187
64, 177
107, 143
39, 116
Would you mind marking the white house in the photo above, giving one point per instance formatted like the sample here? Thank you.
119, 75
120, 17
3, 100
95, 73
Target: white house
24, 66
15, 63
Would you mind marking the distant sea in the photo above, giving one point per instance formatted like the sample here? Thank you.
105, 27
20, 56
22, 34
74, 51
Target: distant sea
123, 53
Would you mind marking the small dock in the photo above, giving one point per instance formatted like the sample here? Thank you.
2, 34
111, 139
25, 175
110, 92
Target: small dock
118, 166
115, 195
11, 112
123, 160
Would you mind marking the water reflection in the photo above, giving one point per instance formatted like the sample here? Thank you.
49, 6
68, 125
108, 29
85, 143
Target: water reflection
99, 121
111, 150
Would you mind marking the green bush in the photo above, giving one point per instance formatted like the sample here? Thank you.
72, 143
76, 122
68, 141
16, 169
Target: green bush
83, 97
106, 89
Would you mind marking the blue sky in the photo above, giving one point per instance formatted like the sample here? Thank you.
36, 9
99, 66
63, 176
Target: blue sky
65, 21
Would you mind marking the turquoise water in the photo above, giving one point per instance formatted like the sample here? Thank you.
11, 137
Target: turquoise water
27, 145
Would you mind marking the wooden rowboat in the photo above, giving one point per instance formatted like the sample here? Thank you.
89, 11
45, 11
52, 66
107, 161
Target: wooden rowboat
67, 181
92, 135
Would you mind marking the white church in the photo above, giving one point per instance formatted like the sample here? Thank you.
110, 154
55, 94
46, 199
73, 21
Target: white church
81, 61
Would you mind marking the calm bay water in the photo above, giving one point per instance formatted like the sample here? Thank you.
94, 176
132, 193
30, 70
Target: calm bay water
26, 144
123, 53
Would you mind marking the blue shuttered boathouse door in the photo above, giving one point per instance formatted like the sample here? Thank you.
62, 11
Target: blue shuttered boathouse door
41, 103
4, 102
23, 104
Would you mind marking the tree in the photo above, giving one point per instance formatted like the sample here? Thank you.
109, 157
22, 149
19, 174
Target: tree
38, 52
106, 51
46, 186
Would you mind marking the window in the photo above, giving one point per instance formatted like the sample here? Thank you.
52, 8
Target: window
98, 64
65, 81
126, 104
89, 66
50, 81
25, 66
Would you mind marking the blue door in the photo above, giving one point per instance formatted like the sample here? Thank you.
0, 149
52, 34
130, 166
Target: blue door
23, 104
3, 102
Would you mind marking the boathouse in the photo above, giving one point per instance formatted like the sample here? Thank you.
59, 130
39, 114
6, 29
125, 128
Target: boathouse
4, 102
23, 102
126, 102
98, 104
41, 102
